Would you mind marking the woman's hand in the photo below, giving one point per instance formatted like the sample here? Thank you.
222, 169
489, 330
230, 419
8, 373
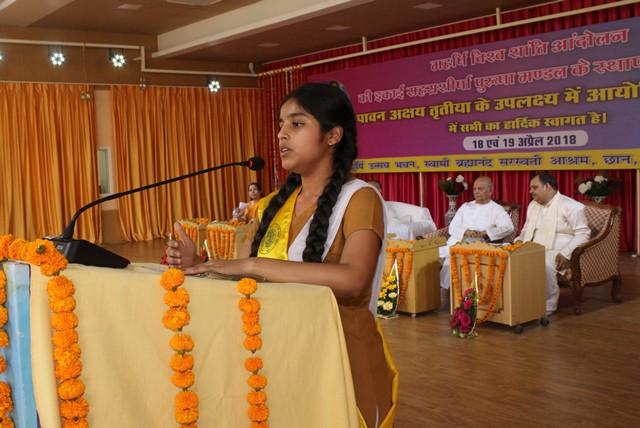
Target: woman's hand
226, 267
181, 253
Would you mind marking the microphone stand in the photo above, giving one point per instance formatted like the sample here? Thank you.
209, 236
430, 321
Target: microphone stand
87, 253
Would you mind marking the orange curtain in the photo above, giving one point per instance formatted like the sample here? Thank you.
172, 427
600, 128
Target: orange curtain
48, 165
160, 133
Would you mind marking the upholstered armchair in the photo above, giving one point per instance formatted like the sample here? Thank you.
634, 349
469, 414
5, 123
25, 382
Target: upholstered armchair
512, 209
596, 261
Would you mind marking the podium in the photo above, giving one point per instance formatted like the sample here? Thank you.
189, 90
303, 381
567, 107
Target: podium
523, 287
126, 353
422, 293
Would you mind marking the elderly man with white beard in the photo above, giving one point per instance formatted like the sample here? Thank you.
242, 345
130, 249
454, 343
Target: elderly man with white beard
480, 219
559, 224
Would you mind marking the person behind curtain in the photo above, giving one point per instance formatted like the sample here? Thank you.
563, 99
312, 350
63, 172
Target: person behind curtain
323, 227
480, 219
557, 222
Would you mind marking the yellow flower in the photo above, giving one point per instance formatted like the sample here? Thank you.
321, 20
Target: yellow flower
17, 248
70, 389
183, 379
181, 363
177, 299
253, 364
387, 306
74, 409
175, 319
5, 242
64, 321
256, 397
60, 286
186, 400
258, 413
252, 343
257, 382
181, 342
172, 278
247, 286
57, 304
40, 251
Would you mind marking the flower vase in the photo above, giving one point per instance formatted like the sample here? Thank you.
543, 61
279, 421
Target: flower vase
451, 212
598, 199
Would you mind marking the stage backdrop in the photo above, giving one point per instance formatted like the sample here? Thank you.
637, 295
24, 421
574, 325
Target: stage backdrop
560, 100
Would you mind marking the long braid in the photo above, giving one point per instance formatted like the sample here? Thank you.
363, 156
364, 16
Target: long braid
293, 181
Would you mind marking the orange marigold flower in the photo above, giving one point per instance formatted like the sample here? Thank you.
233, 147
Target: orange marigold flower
70, 389
187, 416
247, 286
250, 318
6, 404
5, 242
253, 364
256, 397
4, 316
74, 409
183, 379
186, 400
57, 304
68, 355
65, 338
3, 364
16, 249
40, 251
177, 299
181, 342
257, 382
172, 278
60, 286
194, 425
3, 296
64, 321
263, 424
251, 329
175, 319
252, 343
249, 305
181, 363
4, 339
80, 423
3, 280
258, 413
69, 371
6, 422
53, 265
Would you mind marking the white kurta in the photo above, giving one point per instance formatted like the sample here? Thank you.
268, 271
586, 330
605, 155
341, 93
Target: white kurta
490, 218
571, 229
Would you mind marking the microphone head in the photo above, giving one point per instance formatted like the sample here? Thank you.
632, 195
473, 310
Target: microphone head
255, 163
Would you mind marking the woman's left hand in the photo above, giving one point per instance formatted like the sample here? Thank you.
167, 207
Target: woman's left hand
226, 267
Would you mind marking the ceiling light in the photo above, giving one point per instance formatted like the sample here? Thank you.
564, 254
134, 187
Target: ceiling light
337, 28
268, 45
1, 56
57, 58
213, 85
117, 58
427, 6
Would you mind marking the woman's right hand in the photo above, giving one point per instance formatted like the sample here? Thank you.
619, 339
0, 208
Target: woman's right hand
181, 253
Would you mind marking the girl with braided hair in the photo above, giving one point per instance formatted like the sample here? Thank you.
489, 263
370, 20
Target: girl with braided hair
324, 228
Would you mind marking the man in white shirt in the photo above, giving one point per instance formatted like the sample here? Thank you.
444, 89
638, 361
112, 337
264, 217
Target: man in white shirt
559, 224
481, 219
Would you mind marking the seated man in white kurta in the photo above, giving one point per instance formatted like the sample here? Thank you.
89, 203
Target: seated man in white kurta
481, 219
557, 222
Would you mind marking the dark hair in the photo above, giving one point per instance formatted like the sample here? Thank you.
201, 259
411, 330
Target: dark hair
330, 107
257, 185
546, 178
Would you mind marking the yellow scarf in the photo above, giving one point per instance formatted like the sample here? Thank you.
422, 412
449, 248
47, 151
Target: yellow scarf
275, 242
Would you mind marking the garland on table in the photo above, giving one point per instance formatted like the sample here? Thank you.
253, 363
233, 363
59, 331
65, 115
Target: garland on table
66, 349
175, 319
404, 258
258, 411
221, 241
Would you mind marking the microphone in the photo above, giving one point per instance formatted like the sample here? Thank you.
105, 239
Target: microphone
86, 253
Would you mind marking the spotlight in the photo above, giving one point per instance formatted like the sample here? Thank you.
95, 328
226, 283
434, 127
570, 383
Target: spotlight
1, 56
117, 59
57, 58
213, 85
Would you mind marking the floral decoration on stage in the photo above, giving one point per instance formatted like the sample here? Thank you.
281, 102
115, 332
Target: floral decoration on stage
74, 408
6, 403
463, 320
451, 186
257, 398
598, 186
389, 293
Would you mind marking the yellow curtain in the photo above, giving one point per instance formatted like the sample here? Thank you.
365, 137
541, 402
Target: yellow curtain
160, 133
48, 166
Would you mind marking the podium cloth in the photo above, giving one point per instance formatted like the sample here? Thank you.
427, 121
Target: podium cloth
126, 353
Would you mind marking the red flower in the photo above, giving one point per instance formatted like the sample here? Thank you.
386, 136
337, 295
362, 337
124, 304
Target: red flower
467, 304
465, 322
468, 291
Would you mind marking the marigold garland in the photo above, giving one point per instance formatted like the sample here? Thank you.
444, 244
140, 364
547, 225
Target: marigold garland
258, 411
6, 403
66, 350
404, 257
221, 239
175, 318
